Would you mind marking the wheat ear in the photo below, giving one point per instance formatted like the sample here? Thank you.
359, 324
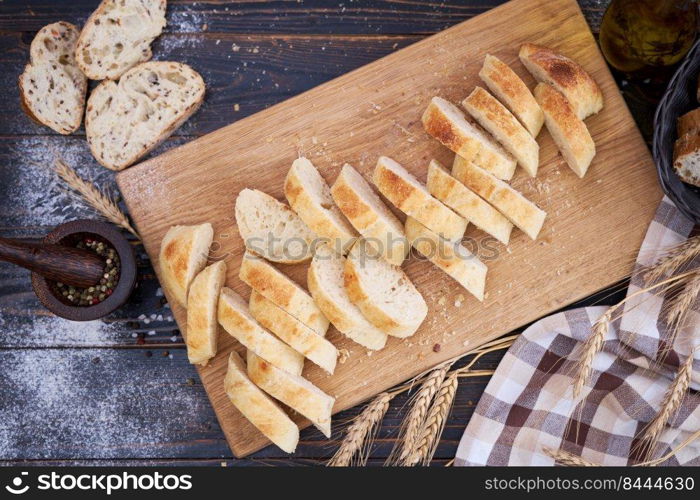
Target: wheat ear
592, 346
680, 304
674, 259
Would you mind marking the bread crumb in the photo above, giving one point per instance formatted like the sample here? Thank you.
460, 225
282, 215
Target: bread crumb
236, 107
441, 301
235, 48
369, 354
314, 140
343, 356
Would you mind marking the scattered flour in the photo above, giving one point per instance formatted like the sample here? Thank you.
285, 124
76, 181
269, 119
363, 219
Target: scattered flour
51, 331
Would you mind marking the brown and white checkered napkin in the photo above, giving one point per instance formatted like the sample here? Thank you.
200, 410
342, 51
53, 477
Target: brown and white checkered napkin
528, 404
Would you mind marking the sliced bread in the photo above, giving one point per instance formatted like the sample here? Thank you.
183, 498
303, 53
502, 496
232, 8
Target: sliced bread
293, 390
446, 123
310, 197
234, 316
52, 87
565, 75
512, 91
414, 199
118, 35
518, 209
258, 407
689, 122
370, 216
449, 256
383, 293
466, 203
271, 229
183, 253
501, 124
293, 332
202, 320
686, 158
126, 120
325, 280
276, 287
569, 132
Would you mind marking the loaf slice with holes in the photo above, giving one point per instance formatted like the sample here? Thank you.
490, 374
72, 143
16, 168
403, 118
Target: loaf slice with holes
686, 158
202, 322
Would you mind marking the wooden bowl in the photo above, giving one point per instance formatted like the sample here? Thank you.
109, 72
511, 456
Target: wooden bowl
70, 233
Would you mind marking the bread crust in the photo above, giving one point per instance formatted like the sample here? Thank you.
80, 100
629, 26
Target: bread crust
688, 122
202, 322
688, 144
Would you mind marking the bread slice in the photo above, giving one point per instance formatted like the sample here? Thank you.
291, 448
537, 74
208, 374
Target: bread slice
466, 203
183, 253
565, 75
519, 210
296, 392
325, 280
512, 91
310, 197
444, 121
258, 407
370, 216
689, 122
271, 229
450, 256
686, 158
52, 87
293, 332
272, 284
383, 293
202, 322
414, 199
500, 123
234, 316
126, 120
568, 131
118, 35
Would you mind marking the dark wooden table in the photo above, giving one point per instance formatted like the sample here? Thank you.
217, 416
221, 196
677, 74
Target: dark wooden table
121, 391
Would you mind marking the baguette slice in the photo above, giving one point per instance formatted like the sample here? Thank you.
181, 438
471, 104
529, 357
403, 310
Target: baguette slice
52, 87
126, 120
445, 122
258, 407
370, 216
450, 256
500, 123
325, 280
271, 229
293, 332
202, 324
413, 198
272, 284
383, 293
512, 92
310, 197
686, 158
568, 131
237, 321
519, 210
183, 253
466, 203
565, 75
294, 391
118, 35
689, 122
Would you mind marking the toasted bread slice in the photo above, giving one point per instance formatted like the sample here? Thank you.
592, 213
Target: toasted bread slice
183, 253
294, 391
234, 316
414, 199
519, 210
202, 323
568, 131
272, 284
293, 332
271, 229
565, 75
686, 158
466, 203
512, 91
689, 122
450, 256
445, 122
325, 280
310, 197
52, 87
259, 408
500, 123
383, 293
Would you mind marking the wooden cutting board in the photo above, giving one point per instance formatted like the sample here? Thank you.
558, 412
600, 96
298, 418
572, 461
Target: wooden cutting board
592, 233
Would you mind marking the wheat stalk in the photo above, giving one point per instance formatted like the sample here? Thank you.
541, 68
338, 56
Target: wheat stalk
674, 259
680, 304
98, 200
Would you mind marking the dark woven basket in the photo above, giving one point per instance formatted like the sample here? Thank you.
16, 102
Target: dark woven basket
680, 97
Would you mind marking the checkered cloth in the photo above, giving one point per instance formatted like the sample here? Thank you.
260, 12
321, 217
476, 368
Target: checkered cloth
528, 404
